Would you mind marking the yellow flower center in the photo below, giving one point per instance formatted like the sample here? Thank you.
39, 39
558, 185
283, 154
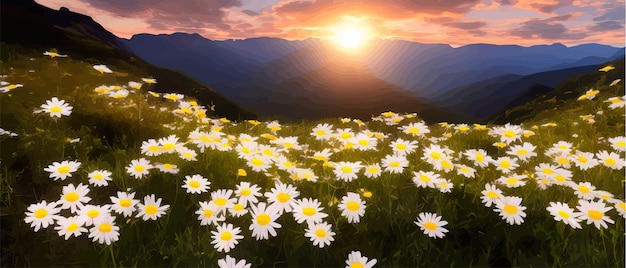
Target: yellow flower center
139, 168
505, 164
105, 228
283, 197
414, 130
320, 132
509, 134
226, 236
207, 213
288, 145
564, 214
288, 164
435, 155
522, 152
372, 170
346, 169
151, 209
492, 194
72, 197
169, 146
125, 203
463, 128
465, 170
610, 161
357, 264
346, 135
154, 148
41, 213
583, 189
511, 181
64, 169
257, 162
563, 147
194, 184
55, 109
425, 178
364, 142
562, 160
353, 206
547, 171
430, 226
246, 192
93, 213
263, 219
510, 209
446, 164
582, 159
72, 227
394, 164
220, 201
321, 233
309, 211
594, 214
480, 157
621, 205
168, 166
238, 207
98, 176
560, 178
401, 146
621, 144
320, 158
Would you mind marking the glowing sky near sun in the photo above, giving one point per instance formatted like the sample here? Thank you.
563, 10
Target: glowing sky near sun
455, 22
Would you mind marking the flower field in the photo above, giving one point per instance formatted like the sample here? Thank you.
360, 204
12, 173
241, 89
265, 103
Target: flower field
100, 170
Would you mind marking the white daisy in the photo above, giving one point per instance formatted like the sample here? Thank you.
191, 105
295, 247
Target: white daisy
510, 209
264, 221
431, 224
352, 207
610, 160
283, 197
425, 179
394, 163
562, 212
151, 209
512, 180
139, 167
479, 157
57, 108
230, 262
124, 203
505, 164
347, 171
309, 210
223, 199
415, 129
372, 171
322, 132
584, 190
169, 144
490, 194
105, 230
584, 160
69, 226
73, 197
100, 177
196, 184
90, 213
226, 237
41, 214
208, 214
524, 152
356, 260
320, 234
594, 212
62, 170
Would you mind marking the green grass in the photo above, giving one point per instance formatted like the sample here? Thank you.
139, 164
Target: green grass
111, 132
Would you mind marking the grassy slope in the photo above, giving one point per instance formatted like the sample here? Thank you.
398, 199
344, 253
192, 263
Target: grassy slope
111, 131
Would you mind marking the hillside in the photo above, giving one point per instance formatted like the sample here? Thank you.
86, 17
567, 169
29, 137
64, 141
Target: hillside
43, 29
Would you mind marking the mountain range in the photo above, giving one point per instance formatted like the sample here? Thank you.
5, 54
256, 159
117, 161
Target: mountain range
312, 79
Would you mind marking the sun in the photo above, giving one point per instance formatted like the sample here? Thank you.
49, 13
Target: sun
352, 33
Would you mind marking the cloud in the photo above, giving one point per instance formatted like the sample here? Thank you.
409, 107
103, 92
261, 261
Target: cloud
165, 14
547, 29
543, 6
470, 27
605, 26
612, 14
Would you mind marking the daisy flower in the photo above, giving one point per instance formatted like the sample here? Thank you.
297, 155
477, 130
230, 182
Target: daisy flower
282, 197
479, 157
73, 197
41, 214
226, 237
562, 212
524, 152
431, 224
320, 234
259, 163
102, 68
394, 163
505, 164
238, 210
264, 221
561, 176
285, 164
208, 214
309, 210
151, 209
561, 146
618, 143
433, 154
323, 155
322, 132
105, 230
90, 213
490, 194
363, 142
69, 226
53, 54
124, 203
444, 163
174, 96
512, 181
196, 184
584, 190
100, 177
347, 171
372, 171
288, 143
230, 262
610, 160
594, 212
415, 129
356, 260
62, 170
466, 171
403, 147
169, 144
56, 107
425, 179
620, 206
510, 209
274, 126
304, 173
507, 133
139, 167
352, 207
584, 160
444, 185
221, 198
247, 193
344, 134
616, 102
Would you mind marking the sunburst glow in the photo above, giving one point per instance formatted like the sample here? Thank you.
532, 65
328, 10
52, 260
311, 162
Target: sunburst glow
352, 33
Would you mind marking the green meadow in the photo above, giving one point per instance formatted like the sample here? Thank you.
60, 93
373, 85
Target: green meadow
543, 187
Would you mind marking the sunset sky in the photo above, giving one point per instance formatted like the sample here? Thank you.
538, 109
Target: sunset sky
455, 22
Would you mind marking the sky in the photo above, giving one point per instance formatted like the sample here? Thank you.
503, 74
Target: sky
454, 22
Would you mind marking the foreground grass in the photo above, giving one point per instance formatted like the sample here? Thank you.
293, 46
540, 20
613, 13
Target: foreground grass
107, 133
